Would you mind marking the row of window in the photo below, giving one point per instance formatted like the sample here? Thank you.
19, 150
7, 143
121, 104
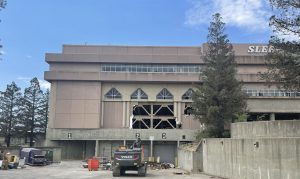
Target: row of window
150, 68
269, 92
166, 94
140, 94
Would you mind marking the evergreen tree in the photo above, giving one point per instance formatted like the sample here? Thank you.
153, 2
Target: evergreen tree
33, 104
284, 62
219, 100
44, 112
10, 105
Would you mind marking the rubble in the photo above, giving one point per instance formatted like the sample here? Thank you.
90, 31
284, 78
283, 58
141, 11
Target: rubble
159, 166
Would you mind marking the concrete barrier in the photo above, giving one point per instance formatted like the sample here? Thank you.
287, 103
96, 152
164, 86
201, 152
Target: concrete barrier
265, 129
257, 151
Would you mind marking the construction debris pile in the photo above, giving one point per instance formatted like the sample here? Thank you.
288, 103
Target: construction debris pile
159, 166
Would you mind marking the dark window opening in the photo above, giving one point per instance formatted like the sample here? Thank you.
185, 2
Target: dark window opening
287, 116
139, 111
164, 111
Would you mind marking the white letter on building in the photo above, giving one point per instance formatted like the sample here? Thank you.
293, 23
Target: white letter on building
251, 49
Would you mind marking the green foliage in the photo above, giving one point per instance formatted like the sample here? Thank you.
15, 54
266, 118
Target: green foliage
21, 116
241, 117
10, 112
33, 103
287, 16
283, 65
284, 62
220, 98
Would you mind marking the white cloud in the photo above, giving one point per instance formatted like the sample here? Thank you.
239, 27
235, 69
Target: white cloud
250, 14
44, 84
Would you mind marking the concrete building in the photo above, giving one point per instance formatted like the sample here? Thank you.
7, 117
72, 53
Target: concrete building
99, 92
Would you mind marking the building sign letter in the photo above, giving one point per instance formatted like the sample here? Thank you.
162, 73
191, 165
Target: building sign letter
260, 49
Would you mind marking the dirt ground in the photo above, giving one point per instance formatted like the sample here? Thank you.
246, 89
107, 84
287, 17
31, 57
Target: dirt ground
74, 169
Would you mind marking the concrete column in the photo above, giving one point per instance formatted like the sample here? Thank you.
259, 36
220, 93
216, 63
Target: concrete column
179, 111
102, 113
178, 143
124, 142
272, 117
124, 115
151, 148
96, 148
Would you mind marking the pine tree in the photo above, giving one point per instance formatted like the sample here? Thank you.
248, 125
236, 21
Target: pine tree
284, 62
10, 105
44, 112
33, 103
219, 100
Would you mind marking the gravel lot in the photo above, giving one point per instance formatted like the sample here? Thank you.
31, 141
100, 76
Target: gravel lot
73, 169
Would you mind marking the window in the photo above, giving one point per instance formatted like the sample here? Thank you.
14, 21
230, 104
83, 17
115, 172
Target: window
139, 94
113, 94
164, 94
188, 94
150, 68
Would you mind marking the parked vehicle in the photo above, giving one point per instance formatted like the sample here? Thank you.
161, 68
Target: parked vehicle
33, 156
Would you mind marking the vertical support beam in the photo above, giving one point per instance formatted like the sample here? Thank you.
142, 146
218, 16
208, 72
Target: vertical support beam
124, 115
151, 117
151, 148
179, 111
127, 114
102, 113
175, 110
96, 148
272, 117
124, 142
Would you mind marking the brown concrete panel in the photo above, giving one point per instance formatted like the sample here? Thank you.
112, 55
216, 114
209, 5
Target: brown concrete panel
78, 91
77, 106
62, 121
77, 67
189, 51
64, 90
76, 120
140, 50
63, 106
112, 117
275, 105
92, 106
165, 50
92, 92
91, 121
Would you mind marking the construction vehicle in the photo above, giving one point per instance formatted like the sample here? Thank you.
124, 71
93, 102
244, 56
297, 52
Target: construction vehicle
129, 160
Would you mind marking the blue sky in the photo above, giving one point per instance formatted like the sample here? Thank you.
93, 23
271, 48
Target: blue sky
31, 28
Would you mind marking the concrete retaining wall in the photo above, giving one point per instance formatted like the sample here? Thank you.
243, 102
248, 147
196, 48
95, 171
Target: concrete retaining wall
266, 129
252, 158
190, 160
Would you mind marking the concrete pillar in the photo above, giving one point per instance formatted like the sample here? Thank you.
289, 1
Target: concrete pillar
124, 142
102, 114
151, 148
124, 115
96, 148
272, 117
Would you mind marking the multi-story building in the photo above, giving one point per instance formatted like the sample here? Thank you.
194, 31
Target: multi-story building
106, 96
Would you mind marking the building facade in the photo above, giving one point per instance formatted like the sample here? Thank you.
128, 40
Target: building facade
106, 96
